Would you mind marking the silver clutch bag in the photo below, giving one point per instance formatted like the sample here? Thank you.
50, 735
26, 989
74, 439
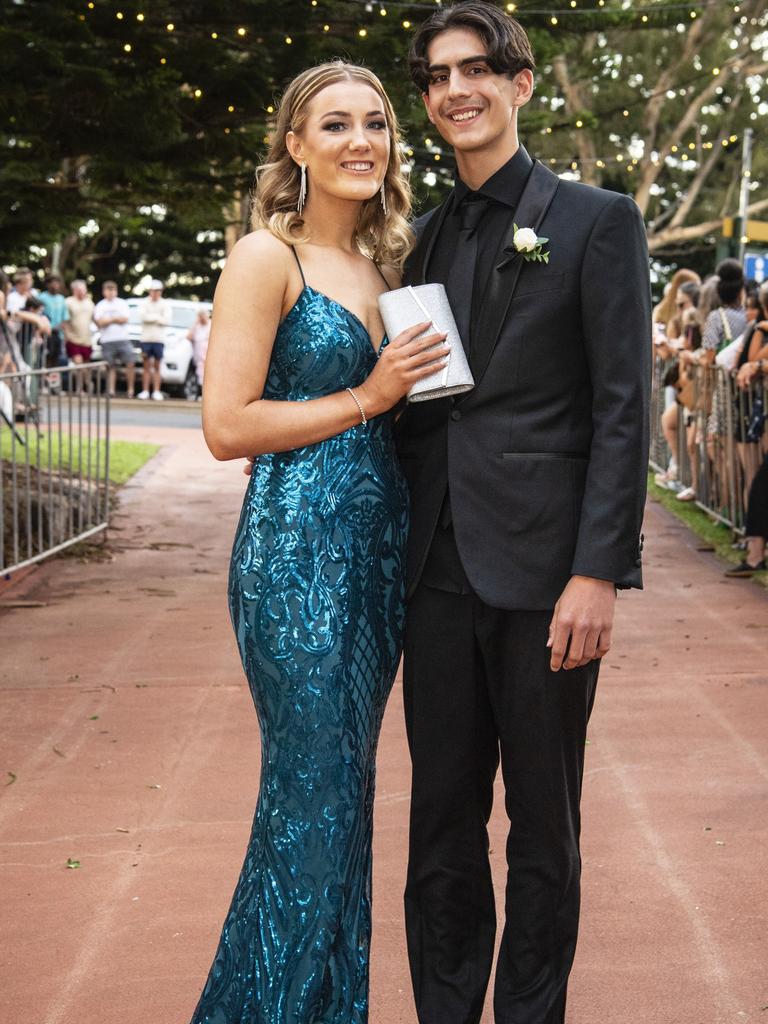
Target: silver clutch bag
404, 307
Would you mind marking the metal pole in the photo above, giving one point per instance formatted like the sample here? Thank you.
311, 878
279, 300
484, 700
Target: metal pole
746, 177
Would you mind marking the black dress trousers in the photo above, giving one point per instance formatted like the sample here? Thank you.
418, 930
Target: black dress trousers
478, 690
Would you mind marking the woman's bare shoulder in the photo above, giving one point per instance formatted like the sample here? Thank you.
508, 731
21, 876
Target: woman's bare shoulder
258, 256
260, 246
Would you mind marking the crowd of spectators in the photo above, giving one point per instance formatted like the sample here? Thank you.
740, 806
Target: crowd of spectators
711, 337
47, 330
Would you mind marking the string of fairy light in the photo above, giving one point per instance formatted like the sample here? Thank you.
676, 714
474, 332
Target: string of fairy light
684, 154
643, 15
239, 34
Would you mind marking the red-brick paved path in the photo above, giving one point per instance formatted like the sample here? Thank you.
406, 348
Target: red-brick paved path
154, 796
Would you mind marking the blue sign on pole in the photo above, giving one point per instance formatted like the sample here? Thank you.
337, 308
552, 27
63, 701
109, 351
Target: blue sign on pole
756, 266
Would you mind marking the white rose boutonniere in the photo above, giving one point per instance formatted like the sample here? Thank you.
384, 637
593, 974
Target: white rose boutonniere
529, 245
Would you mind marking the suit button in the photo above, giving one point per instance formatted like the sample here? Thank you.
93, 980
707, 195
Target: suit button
639, 562
455, 414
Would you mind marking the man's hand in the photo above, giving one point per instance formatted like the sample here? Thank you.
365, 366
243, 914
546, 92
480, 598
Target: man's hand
248, 467
583, 616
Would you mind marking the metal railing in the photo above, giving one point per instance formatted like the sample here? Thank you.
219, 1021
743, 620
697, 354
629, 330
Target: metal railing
718, 438
54, 461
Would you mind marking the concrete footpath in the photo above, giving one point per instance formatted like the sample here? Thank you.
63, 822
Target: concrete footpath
129, 746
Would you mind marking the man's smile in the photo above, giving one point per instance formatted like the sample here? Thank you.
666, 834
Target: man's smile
464, 114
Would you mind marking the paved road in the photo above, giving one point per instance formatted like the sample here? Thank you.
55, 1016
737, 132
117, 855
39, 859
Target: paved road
168, 414
132, 742
124, 413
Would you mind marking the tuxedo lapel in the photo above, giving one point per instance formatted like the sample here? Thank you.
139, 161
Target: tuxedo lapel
534, 203
417, 270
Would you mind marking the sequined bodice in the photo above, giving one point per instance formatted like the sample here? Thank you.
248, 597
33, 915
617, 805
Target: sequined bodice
317, 603
320, 347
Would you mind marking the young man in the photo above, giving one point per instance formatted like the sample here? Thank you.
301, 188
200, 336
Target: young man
55, 306
78, 327
527, 497
155, 316
22, 289
111, 317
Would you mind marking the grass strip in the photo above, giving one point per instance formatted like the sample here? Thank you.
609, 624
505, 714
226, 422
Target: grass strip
708, 530
125, 457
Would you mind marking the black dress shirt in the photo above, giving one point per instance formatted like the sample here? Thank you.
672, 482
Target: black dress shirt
443, 569
503, 191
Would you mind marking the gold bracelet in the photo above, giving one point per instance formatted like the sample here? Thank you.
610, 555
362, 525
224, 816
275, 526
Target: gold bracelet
363, 420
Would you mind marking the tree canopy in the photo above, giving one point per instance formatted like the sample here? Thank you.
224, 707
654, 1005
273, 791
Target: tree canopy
131, 131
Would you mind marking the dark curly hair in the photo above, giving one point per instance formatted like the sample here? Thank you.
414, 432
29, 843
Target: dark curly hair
731, 274
508, 47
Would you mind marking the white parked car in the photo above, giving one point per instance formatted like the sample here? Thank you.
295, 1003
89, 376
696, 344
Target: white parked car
177, 371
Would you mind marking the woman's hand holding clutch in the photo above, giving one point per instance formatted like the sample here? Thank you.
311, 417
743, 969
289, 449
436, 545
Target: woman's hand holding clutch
401, 364
399, 309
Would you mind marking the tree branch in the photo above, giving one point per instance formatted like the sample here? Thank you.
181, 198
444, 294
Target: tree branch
692, 192
683, 234
651, 170
666, 79
574, 103
734, 66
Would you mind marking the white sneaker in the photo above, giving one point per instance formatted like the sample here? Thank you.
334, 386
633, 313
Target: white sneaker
158, 396
686, 495
143, 395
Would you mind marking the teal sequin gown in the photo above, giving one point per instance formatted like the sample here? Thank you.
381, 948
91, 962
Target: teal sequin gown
317, 601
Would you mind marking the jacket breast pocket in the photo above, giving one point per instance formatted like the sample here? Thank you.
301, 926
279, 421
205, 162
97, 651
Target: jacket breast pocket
530, 284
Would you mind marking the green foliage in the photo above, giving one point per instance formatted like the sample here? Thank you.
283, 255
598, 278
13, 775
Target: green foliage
133, 145
44, 448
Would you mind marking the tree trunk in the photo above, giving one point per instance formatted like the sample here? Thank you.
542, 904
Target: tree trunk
237, 214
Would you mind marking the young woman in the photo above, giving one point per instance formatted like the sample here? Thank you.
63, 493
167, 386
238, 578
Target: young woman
665, 311
298, 373
666, 346
723, 319
199, 335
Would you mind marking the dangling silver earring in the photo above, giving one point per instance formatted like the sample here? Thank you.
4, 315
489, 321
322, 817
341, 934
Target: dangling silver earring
302, 189
383, 194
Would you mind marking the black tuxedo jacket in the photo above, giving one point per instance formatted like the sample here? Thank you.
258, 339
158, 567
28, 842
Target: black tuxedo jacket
546, 458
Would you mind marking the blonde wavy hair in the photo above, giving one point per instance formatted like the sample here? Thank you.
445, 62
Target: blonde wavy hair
386, 238
665, 310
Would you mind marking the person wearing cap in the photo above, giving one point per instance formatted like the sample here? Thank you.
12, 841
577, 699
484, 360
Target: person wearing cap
155, 315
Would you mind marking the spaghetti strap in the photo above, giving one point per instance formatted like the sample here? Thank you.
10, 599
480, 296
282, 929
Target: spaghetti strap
381, 275
298, 264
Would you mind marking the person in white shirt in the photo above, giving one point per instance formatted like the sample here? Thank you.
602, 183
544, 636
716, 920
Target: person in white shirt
111, 316
22, 289
155, 315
